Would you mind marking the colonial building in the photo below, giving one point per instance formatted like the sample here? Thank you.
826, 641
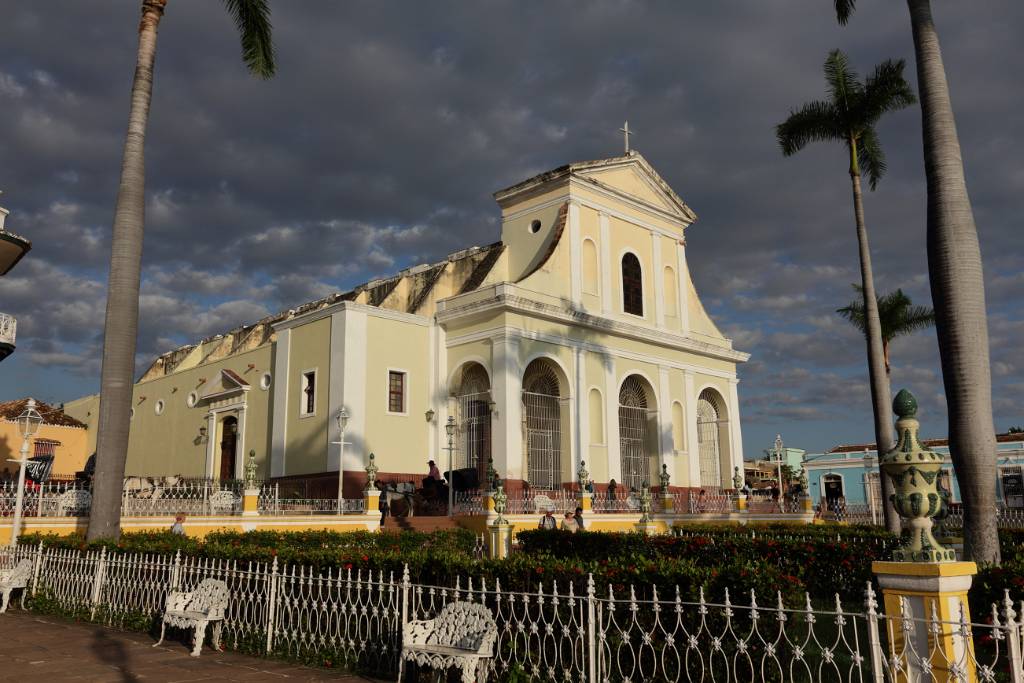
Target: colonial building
59, 435
578, 337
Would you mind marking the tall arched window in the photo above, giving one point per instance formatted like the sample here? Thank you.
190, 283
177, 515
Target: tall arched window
710, 419
636, 445
543, 421
632, 285
473, 421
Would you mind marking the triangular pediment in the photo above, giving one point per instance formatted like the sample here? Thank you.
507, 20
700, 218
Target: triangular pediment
226, 383
633, 177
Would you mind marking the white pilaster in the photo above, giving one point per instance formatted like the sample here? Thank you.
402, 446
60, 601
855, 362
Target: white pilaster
279, 385
611, 408
690, 411
335, 390
354, 390
735, 433
438, 389
683, 297
659, 280
665, 425
606, 265
506, 424
241, 455
211, 442
582, 409
576, 262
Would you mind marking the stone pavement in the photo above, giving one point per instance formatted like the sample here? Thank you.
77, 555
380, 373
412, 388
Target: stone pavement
42, 648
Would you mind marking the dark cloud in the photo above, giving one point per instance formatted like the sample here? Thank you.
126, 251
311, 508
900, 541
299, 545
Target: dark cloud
389, 124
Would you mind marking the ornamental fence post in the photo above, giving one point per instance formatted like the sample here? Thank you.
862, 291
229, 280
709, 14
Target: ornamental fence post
37, 566
1014, 638
176, 573
405, 596
874, 641
97, 582
591, 631
273, 583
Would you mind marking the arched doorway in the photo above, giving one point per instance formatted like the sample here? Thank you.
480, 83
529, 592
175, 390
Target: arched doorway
711, 420
228, 445
542, 418
636, 434
473, 420
833, 486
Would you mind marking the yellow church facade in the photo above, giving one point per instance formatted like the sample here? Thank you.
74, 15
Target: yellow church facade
578, 337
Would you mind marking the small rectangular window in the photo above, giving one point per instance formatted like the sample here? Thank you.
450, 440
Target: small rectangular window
396, 391
44, 447
309, 392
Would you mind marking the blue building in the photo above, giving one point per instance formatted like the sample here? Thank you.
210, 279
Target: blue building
851, 472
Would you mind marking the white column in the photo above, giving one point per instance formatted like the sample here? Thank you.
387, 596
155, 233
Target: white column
576, 263
438, 390
354, 387
735, 433
659, 280
279, 385
240, 453
211, 442
335, 390
582, 410
690, 410
507, 423
683, 297
611, 408
606, 265
665, 424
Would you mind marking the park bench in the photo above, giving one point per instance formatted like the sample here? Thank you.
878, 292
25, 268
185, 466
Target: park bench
462, 635
16, 577
74, 502
223, 501
543, 503
195, 610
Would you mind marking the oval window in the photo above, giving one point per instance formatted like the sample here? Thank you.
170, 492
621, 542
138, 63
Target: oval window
192, 399
265, 381
159, 407
535, 226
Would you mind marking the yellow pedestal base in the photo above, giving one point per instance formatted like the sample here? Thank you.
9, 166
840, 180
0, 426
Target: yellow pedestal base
250, 502
500, 540
587, 501
371, 501
921, 591
741, 503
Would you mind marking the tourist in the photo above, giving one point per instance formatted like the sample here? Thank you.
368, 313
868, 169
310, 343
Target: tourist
702, 501
611, 489
579, 519
548, 521
433, 477
569, 523
178, 528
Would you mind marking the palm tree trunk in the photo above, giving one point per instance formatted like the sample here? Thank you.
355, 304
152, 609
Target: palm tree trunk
122, 317
879, 380
958, 294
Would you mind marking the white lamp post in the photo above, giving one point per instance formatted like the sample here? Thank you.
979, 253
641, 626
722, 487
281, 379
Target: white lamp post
868, 460
778, 459
450, 429
342, 419
28, 425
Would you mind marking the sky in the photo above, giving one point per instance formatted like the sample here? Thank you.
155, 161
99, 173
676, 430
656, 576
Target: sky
389, 124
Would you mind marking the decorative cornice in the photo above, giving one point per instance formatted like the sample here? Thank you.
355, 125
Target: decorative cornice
343, 306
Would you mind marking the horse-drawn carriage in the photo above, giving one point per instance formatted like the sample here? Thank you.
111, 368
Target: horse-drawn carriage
405, 499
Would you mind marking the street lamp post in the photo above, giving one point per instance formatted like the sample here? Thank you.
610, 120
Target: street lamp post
342, 419
778, 460
450, 429
28, 424
869, 489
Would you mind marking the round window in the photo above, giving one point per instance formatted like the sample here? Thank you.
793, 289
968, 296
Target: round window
535, 226
265, 381
159, 407
192, 399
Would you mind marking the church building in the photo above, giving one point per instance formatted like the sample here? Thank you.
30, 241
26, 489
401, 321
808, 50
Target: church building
578, 337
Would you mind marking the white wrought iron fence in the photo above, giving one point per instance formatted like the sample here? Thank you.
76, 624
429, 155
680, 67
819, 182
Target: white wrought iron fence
559, 632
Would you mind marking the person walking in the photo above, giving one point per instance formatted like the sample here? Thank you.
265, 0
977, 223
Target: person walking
579, 519
569, 523
548, 521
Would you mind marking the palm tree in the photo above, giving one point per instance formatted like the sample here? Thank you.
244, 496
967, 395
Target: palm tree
252, 19
849, 116
958, 291
897, 316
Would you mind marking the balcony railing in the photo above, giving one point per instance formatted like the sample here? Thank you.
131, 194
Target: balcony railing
8, 330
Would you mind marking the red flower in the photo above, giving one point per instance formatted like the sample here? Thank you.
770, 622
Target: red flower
366, 558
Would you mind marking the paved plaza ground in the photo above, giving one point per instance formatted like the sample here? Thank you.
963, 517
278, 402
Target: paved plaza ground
40, 648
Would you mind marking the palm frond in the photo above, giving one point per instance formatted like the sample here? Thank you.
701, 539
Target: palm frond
252, 19
855, 311
897, 314
843, 86
886, 90
844, 9
915, 318
814, 122
870, 156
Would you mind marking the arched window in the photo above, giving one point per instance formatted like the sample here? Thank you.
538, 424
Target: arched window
591, 271
635, 434
543, 417
632, 285
709, 438
473, 420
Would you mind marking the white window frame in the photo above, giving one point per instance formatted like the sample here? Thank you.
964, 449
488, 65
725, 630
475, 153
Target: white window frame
405, 392
302, 391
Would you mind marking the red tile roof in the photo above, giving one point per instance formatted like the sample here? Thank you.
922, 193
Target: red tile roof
10, 410
927, 443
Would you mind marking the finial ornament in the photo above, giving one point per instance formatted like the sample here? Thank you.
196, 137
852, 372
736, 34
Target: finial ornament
737, 479
914, 472
645, 502
250, 470
492, 475
665, 478
582, 476
500, 502
371, 473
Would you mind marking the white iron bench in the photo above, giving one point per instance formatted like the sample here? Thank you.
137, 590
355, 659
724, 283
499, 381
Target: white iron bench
462, 635
195, 610
74, 501
543, 503
17, 577
223, 501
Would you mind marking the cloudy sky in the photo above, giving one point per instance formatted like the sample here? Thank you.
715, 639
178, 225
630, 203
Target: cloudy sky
390, 124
